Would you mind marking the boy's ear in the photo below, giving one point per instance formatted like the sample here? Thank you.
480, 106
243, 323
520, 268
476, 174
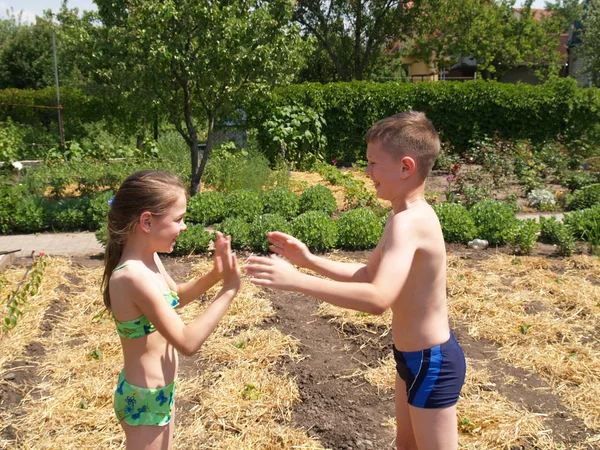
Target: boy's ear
146, 221
408, 166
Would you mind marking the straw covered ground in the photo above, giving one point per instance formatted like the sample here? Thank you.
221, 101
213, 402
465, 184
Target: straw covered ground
284, 371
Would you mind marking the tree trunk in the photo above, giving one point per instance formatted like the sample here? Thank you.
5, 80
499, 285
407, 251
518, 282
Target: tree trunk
197, 180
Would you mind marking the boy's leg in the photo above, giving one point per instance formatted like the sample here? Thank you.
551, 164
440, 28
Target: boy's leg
405, 438
435, 429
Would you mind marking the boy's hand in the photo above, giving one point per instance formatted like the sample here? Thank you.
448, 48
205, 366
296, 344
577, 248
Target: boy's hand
272, 272
294, 250
231, 270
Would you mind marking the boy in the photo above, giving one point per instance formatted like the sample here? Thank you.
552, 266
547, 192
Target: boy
406, 272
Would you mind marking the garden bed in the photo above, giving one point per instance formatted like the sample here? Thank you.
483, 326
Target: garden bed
284, 370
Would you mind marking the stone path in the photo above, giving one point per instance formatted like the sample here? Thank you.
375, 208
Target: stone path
62, 244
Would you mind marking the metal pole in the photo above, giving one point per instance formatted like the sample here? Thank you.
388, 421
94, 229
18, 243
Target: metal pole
60, 121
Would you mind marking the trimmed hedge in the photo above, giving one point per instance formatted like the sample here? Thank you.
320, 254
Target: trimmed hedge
461, 112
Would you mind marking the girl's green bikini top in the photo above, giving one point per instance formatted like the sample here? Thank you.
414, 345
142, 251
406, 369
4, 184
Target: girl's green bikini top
140, 327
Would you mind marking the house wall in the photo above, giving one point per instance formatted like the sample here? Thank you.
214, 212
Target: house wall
577, 69
420, 70
519, 74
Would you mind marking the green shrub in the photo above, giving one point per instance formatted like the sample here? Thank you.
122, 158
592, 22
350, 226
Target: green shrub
542, 199
261, 226
238, 229
70, 214
206, 208
461, 112
358, 229
456, 222
102, 235
318, 198
494, 220
586, 197
316, 229
585, 225
9, 197
557, 233
577, 179
281, 201
193, 240
523, 236
230, 169
98, 210
28, 216
294, 132
243, 203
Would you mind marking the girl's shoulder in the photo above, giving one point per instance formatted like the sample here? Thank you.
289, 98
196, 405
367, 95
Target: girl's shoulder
128, 272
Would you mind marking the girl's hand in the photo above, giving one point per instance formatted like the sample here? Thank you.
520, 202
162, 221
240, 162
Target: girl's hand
294, 250
272, 272
231, 270
218, 255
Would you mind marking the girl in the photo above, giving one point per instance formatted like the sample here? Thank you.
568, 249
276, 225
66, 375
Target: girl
145, 218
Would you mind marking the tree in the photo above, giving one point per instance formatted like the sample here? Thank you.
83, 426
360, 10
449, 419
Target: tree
489, 31
590, 49
355, 33
192, 58
564, 14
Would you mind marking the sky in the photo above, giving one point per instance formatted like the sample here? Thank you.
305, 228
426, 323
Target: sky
31, 8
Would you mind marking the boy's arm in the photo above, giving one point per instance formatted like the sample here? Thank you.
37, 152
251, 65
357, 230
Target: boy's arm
298, 253
374, 296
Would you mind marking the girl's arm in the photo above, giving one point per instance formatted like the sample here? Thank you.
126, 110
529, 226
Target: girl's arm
187, 339
191, 290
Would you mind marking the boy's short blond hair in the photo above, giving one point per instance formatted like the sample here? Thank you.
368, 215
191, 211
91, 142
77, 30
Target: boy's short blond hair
409, 133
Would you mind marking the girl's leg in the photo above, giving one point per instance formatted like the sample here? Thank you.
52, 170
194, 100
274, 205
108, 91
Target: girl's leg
148, 437
435, 429
405, 438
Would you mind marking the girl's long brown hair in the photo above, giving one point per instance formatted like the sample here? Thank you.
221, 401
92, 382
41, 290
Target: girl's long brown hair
146, 190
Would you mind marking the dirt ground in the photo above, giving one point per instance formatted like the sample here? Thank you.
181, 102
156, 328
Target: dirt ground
337, 406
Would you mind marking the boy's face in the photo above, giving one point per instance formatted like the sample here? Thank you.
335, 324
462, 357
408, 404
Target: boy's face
385, 170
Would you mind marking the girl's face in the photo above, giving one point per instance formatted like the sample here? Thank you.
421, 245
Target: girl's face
166, 227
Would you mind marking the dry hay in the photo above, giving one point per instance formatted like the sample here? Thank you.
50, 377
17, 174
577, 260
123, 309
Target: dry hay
238, 400
487, 420
299, 181
545, 321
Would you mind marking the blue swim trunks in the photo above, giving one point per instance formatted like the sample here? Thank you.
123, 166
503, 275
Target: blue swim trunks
433, 377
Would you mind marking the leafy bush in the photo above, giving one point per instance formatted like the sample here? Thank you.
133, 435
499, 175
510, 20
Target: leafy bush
98, 210
494, 221
318, 198
238, 229
359, 229
206, 208
295, 133
461, 112
28, 216
194, 239
261, 226
522, 236
586, 197
230, 169
281, 201
243, 203
542, 199
70, 214
456, 222
577, 179
585, 225
557, 233
316, 229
